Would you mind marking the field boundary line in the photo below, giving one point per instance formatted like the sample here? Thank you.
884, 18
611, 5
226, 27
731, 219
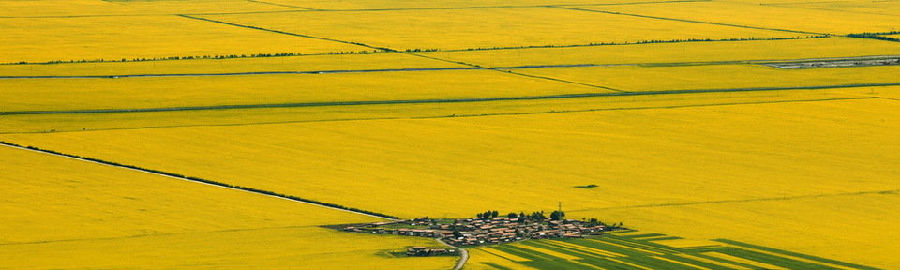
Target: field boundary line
284, 33
471, 67
457, 100
289, 54
689, 21
461, 115
785, 198
276, 4
385, 49
203, 181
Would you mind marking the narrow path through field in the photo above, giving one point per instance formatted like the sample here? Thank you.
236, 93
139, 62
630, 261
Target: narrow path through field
202, 181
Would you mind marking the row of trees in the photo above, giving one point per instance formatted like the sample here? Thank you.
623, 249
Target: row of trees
189, 57
539, 216
879, 35
536, 216
592, 44
379, 50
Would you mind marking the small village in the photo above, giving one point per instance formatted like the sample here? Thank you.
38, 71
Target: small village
485, 229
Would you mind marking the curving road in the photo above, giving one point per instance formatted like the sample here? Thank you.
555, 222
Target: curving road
463, 254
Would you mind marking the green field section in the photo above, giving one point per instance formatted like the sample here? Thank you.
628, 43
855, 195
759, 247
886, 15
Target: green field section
636, 251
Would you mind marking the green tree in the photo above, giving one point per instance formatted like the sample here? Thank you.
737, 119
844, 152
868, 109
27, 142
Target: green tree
557, 215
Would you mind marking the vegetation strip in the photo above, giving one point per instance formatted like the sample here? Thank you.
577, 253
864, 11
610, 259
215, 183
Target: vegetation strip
457, 100
289, 54
782, 63
117, 76
458, 115
880, 36
205, 181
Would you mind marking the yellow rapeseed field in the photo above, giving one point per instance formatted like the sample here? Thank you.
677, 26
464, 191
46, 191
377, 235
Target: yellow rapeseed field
424, 4
756, 15
632, 78
165, 92
486, 28
266, 248
443, 109
63, 213
40, 123
232, 65
115, 38
891, 8
124, 8
712, 154
689, 52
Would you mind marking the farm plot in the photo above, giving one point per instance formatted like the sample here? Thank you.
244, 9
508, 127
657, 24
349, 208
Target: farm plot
756, 15
116, 38
136, 7
451, 4
785, 222
291, 157
175, 93
65, 213
14, 9
891, 8
125, 8
633, 251
485, 28
267, 248
42, 123
687, 53
636, 157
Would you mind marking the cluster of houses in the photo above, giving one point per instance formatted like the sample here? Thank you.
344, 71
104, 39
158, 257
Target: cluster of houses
426, 252
483, 231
